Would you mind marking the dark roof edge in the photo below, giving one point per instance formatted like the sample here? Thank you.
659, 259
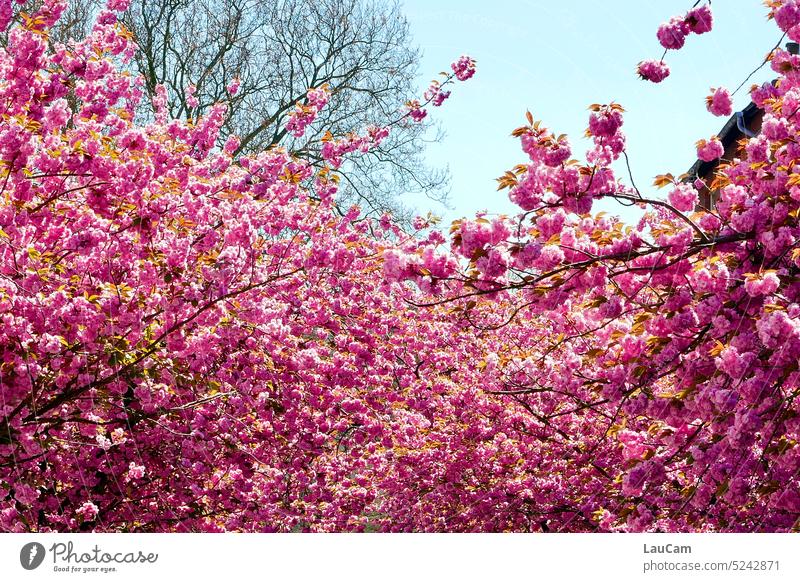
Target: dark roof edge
728, 134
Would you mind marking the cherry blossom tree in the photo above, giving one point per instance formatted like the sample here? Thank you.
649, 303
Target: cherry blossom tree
194, 341
185, 337
677, 336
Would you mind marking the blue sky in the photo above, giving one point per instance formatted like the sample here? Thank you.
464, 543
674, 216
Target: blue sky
555, 58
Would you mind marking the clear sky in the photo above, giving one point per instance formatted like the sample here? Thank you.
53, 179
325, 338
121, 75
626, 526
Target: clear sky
555, 58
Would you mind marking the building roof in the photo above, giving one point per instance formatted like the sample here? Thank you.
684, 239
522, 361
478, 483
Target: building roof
738, 126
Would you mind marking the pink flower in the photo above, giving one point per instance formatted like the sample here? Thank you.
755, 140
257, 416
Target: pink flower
103, 441
776, 328
333, 151
25, 495
319, 96
494, 264
231, 144
550, 257
135, 471
49, 344
700, 19
672, 34
435, 95
233, 86
118, 436
191, 99
464, 68
732, 363
396, 265
606, 121
634, 480
415, 110
160, 103
765, 284
719, 102
774, 128
654, 71
633, 445
376, 134
787, 15
557, 152
118, 5
710, 150
683, 197
606, 519
5, 13
305, 113
88, 511
641, 519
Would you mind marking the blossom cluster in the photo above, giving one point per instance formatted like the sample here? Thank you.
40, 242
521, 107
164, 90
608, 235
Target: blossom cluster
655, 71
787, 16
463, 68
672, 36
710, 149
435, 94
719, 102
305, 113
335, 150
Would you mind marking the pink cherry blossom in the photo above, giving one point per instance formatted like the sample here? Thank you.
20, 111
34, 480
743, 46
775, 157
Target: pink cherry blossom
710, 150
191, 98
655, 71
787, 14
700, 19
88, 511
683, 197
135, 471
415, 110
464, 68
719, 102
672, 34
762, 284
305, 113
